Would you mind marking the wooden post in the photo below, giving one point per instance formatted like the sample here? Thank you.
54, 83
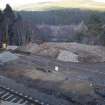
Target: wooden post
5, 38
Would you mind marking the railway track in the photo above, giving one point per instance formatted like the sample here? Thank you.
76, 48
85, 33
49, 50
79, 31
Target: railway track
13, 91
10, 95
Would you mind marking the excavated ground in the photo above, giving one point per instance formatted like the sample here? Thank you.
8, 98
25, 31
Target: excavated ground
81, 83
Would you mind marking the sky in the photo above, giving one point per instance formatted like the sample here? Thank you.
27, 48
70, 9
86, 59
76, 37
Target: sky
15, 3
100, 0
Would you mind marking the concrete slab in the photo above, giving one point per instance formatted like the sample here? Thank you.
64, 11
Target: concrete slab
12, 47
67, 56
7, 56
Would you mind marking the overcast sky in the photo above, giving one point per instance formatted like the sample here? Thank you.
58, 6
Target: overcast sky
15, 3
100, 0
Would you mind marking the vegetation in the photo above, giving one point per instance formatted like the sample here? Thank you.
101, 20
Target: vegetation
20, 27
95, 24
79, 37
60, 17
13, 29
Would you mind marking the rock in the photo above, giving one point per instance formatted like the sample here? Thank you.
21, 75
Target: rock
67, 56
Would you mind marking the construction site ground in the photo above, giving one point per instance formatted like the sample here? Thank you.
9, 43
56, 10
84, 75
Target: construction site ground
79, 83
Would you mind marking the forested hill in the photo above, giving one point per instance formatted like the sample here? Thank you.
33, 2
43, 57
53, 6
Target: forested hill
94, 20
65, 25
61, 11
61, 17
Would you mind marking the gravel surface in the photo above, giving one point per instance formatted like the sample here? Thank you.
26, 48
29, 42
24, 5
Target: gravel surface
73, 81
79, 83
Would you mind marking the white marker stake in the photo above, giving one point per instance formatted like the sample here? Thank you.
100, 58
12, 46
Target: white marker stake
56, 68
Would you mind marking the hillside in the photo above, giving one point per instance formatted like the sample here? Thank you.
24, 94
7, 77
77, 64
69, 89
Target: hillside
62, 4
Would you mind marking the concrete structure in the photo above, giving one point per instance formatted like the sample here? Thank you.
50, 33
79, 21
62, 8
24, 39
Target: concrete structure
7, 56
67, 56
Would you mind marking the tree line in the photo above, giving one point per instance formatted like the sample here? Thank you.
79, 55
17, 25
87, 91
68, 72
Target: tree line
14, 30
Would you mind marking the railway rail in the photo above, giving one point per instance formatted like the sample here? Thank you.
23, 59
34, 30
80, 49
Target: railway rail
13, 96
13, 91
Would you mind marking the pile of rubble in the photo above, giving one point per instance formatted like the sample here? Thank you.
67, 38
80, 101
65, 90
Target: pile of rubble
67, 52
81, 52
